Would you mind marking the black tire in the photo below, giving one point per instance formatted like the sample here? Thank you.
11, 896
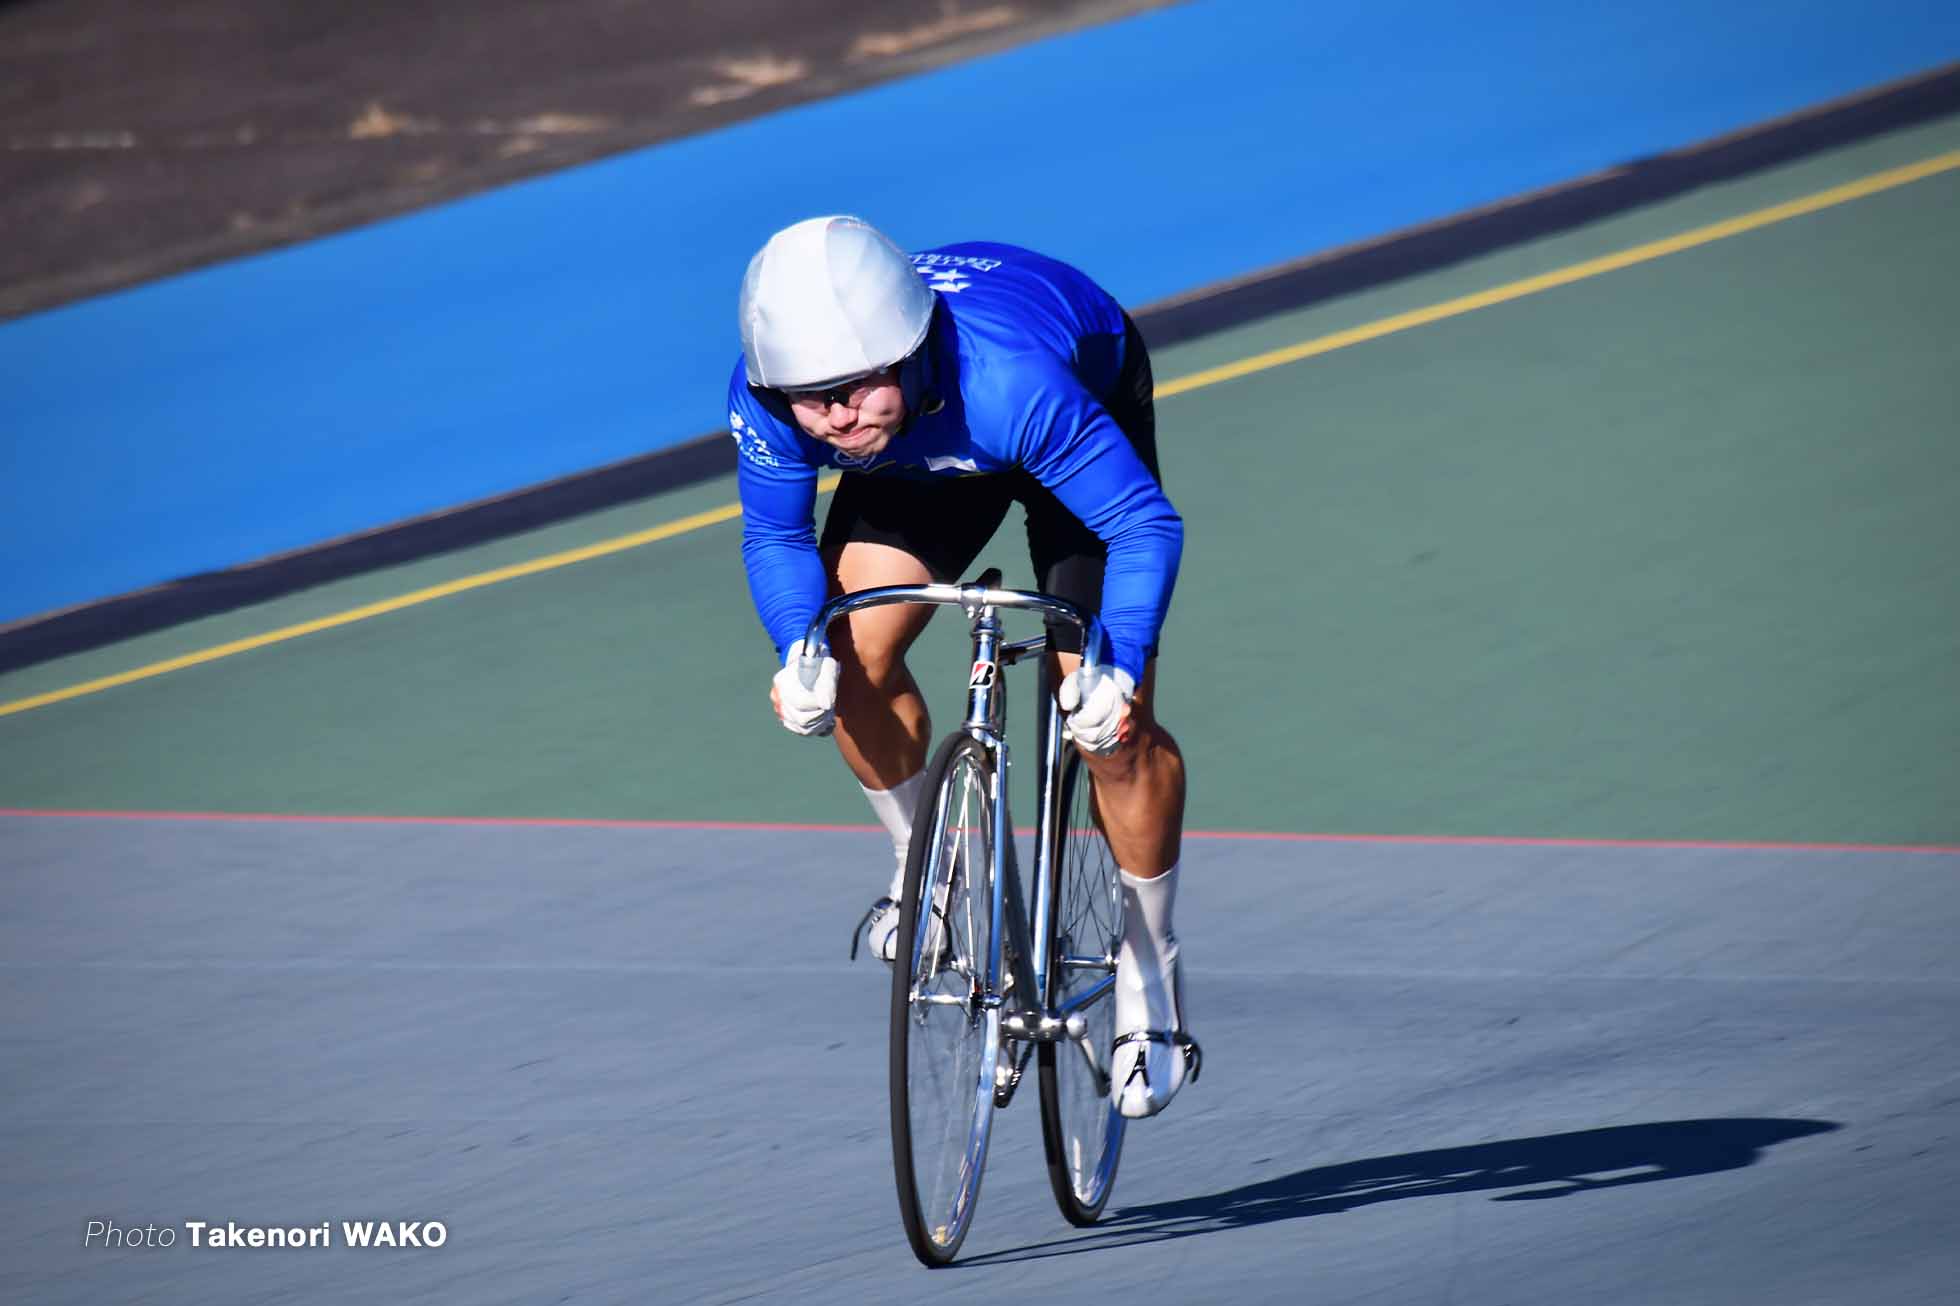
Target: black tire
945, 1042
1081, 1132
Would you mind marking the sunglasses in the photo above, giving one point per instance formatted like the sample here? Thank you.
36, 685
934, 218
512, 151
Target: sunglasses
848, 394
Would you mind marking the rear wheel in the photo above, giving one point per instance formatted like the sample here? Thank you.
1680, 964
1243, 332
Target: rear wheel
1081, 1132
945, 1036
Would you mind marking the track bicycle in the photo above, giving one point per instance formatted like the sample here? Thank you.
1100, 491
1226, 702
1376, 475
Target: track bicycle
981, 985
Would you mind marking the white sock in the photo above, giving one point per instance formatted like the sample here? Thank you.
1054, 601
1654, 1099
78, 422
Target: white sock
895, 807
1147, 906
1148, 948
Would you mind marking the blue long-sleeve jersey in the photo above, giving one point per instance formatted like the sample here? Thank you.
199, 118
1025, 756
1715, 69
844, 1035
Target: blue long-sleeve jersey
1022, 351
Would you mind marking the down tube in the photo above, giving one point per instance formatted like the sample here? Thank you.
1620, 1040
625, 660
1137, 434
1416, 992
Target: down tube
1002, 859
1047, 833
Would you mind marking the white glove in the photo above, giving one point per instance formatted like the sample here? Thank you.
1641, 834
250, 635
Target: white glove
1098, 707
806, 710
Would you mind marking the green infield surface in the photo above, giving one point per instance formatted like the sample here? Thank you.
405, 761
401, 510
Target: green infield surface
1647, 531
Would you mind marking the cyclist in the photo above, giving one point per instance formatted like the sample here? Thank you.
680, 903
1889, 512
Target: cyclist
947, 385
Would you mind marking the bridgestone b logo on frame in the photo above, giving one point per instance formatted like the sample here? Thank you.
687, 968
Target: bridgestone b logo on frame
983, 675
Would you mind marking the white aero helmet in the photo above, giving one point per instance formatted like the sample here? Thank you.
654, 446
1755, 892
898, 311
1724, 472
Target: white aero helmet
829, 300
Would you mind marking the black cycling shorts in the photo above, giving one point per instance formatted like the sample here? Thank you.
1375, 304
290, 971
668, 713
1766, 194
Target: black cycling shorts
945, 523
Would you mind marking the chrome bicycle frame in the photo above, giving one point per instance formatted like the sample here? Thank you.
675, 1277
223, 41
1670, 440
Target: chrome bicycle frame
986, 710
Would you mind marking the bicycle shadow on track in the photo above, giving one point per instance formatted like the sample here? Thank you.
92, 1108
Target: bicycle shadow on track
1556, 1165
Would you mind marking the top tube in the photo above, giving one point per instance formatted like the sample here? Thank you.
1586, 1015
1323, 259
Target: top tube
974, 598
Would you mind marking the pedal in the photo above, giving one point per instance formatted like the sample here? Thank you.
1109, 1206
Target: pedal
1007, 1076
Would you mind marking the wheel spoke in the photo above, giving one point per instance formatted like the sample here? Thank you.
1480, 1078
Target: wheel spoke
1083, 1133
945, 1038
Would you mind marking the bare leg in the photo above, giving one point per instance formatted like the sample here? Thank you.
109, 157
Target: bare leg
1140, 787
882, 727
1140, 803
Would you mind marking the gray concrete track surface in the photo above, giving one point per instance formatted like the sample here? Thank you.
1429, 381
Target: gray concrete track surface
634, 1065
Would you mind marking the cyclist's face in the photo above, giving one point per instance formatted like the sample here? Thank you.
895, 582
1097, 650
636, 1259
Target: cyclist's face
858, 417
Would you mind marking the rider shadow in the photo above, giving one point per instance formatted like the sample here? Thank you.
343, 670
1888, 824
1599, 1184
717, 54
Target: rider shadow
1523, 1169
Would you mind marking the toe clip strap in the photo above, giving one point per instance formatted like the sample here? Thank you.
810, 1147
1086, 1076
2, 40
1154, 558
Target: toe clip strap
1194, 1056
864, 923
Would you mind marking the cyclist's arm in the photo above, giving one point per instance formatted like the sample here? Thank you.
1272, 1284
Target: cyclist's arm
1070, 443
779, 542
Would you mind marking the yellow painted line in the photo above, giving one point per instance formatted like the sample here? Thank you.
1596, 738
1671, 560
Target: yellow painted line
1565, 276
1326, 344
551, 562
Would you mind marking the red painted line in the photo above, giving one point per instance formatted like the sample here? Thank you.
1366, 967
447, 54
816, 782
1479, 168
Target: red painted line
1525, 841
806, 827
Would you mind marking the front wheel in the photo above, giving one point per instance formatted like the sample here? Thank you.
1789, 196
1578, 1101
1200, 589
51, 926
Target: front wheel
945, 1034
1080, 1131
